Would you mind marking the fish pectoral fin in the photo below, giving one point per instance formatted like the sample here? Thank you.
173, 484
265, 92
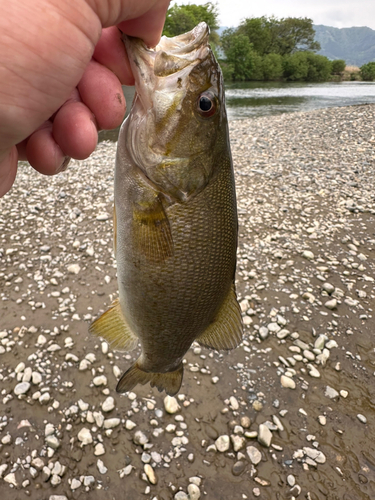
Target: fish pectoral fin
169, 382
152, 232
226, 331
112, 326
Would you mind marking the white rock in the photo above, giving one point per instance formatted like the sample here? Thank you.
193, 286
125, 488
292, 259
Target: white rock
101, 467
222, 443
100, 380
171, 405
254, 454
20, 367
194, 492
330, 392
52, 442
21, 388
75, 484
287, 382
331, 304
111, 423
238, 442
108, 404
264, 435
129, 425
74, 268
150, 473
233, 403
36, 378
85, 436
99, 450
88, 480
307, 254
11, 479
140, 438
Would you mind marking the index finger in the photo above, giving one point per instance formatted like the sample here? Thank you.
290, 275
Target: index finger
149, 25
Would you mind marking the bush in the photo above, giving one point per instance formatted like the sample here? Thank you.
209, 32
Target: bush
272, 66
307, 66
296, 66
367, 72
338, 66
320, 68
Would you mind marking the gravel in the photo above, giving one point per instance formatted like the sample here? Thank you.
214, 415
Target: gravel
305, 281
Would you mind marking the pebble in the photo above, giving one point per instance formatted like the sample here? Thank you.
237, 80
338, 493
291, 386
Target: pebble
287, 382
85, 436
362, 418
331, 304
330, 392
101, 467
193, 492
74, 268
171, 405
264, 435
109, 404
22, 388
150, 473
254, 455
222, 443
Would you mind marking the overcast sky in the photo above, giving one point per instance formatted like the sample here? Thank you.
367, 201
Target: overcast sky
338, 13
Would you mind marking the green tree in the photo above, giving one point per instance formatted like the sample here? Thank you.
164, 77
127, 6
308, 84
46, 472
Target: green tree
239, 54
338, 66
367, 72
279, 36
183, 18
272, 65
293, 34
257, 29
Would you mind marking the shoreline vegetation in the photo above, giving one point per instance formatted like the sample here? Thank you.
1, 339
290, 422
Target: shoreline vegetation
266, 48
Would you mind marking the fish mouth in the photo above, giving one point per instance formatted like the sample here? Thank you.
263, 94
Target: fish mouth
165, 61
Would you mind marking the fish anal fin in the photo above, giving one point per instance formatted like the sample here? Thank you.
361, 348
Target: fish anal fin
152, 232
113, 327
226, 330
170, 382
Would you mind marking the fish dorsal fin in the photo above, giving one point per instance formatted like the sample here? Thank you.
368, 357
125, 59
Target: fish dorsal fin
152, 232
226, 330
170, 382
113, 327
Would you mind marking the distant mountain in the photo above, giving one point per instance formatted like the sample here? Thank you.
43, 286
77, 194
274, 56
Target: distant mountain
355, 45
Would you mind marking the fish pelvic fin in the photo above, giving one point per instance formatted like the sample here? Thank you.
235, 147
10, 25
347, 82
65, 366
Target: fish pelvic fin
152, 231
226, 330
112, 326
170, 382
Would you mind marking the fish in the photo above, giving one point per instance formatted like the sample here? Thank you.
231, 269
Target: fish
175, 214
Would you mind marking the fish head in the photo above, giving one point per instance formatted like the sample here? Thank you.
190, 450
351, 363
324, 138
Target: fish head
178, 120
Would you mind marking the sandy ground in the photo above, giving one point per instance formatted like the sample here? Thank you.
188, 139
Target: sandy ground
289, 414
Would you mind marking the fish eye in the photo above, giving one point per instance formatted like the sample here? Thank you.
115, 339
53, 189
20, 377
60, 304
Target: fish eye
206, 104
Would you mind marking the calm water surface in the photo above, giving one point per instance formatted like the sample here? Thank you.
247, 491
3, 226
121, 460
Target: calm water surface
251, 99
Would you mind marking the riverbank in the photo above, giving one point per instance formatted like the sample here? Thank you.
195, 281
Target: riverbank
289, 413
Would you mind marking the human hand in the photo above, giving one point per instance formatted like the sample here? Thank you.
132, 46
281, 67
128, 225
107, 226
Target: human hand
61, 76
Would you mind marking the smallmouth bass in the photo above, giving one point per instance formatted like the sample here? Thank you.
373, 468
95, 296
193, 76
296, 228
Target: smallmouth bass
175, 224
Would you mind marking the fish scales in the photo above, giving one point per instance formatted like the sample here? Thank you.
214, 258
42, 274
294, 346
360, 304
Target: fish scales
176, 218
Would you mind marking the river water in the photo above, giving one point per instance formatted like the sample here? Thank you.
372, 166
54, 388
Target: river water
252, 99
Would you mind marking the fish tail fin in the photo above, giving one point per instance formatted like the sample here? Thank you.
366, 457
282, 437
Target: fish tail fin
170, 382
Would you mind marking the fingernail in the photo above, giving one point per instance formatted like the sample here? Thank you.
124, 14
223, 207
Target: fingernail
64, 165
